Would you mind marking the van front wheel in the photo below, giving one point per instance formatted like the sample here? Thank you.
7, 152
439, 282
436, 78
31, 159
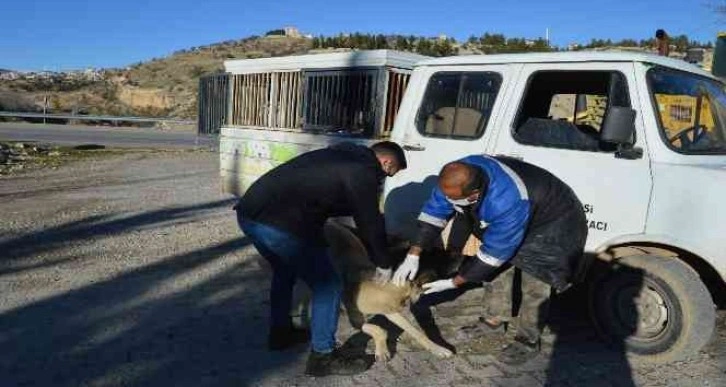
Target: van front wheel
656, 308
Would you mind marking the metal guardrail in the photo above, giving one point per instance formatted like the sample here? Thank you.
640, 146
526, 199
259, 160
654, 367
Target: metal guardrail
95, 118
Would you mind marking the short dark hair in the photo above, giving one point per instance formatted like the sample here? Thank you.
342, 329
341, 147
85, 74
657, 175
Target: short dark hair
390, 148
660, 33
476, 178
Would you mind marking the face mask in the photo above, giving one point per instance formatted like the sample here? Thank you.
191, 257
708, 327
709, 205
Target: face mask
461, 202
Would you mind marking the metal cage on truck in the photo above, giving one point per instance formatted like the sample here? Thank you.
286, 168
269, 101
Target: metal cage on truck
280, 107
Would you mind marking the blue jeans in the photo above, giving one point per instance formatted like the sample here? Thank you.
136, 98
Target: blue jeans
291, 258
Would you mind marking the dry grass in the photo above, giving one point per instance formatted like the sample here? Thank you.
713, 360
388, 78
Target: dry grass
177, 75
159, 87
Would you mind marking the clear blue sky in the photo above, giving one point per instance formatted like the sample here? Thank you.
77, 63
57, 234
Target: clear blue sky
73, 34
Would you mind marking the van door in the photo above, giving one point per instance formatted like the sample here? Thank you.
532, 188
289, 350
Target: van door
446, 114
553, 120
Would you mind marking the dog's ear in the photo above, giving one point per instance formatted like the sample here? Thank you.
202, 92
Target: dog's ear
424, 277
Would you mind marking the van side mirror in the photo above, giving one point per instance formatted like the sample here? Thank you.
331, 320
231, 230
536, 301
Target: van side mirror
618, 126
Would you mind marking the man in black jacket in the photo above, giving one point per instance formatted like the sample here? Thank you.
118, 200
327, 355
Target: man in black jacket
284, 212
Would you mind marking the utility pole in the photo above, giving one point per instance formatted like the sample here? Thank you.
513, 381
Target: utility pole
547, 36
45, 99
45, 106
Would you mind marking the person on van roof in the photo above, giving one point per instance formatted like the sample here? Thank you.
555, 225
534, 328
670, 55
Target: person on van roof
283, 214
662, 43
528, 221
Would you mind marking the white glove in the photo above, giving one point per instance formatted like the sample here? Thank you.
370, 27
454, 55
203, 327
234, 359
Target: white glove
382, 276
407, 270
438, 286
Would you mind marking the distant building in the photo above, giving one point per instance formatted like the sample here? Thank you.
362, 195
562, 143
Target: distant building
92, 74
292, 32
8, 75
695, 55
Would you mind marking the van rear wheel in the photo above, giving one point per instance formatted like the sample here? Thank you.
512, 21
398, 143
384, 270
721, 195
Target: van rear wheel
656, 308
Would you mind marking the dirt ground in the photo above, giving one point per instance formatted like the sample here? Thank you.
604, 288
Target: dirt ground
129, 269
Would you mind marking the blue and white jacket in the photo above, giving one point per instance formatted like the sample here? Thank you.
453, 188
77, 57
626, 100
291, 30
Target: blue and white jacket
504, 210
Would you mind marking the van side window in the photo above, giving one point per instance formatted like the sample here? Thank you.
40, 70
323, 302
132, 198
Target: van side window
565, 109
458, 104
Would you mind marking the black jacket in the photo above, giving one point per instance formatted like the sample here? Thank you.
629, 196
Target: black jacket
300, 195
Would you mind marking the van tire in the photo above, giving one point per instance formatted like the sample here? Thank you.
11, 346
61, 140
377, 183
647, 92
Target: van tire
675, 312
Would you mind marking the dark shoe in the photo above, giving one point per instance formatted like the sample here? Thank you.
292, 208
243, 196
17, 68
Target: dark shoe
335, 363
519, 352
284, 338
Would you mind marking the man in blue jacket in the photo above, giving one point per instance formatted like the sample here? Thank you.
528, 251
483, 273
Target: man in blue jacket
527, 219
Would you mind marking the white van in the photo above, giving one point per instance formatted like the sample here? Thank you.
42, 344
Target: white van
640, 138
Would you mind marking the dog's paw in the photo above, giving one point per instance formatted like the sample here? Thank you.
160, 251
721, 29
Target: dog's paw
441, 352
383, 354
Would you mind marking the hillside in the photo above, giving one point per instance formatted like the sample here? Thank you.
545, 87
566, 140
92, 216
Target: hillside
159, 87
172, 81
168, 86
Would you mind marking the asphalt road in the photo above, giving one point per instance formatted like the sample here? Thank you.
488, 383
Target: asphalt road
139, 276
108, 136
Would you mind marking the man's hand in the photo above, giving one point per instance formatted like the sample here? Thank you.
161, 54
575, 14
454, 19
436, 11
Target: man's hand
439, 286
382, 276
407, 270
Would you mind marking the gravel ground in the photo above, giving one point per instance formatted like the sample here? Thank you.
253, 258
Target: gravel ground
129, 270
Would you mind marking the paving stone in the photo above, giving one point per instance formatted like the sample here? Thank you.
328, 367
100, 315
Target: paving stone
456, 322
365, 379
400, 366
481, 359
520, 381
541, 376
483, 373
225, 343
474, 311
540, 363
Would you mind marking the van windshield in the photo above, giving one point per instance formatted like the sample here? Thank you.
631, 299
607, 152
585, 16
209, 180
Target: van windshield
691, 110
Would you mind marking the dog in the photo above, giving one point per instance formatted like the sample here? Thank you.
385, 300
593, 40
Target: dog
363, 298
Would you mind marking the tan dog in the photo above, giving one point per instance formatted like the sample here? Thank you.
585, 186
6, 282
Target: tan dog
363, 298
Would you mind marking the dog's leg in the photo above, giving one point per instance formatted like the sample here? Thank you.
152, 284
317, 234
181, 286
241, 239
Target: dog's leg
419, 336
379, 336
301, 301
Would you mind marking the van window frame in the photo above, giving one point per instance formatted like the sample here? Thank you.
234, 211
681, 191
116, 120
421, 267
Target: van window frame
499, 78
528, 85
